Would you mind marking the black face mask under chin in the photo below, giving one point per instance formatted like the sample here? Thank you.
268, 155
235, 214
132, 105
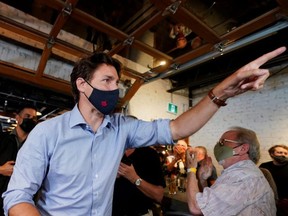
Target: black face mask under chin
104, 101
280, 159
27, 125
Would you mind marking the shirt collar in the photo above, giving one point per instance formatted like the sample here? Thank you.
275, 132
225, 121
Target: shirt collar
77, 119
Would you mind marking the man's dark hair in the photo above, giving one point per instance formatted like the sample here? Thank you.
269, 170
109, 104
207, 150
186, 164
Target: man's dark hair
272, 149
86, 67
23, 106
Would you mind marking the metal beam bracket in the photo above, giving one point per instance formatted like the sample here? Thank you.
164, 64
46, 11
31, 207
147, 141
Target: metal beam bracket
67, 10
128, 41
220, 47
171, 8
282, 16
175, 66
50, 42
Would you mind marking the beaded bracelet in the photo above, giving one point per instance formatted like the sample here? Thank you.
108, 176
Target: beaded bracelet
192, 169
216, 100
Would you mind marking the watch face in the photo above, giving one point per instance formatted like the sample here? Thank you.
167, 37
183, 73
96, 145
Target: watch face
138, 182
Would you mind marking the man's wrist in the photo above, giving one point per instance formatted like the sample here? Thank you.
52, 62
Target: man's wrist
216, 99
192, 170
138, 182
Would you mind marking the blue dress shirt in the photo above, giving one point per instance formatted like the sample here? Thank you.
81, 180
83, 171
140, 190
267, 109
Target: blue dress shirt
74, 167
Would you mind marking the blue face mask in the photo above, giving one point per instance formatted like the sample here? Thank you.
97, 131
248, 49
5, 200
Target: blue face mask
104, 101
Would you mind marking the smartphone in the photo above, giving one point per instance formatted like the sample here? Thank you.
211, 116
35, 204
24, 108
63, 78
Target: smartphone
126, 160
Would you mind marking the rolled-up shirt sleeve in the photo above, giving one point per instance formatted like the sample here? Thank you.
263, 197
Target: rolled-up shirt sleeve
149, 133
24, 183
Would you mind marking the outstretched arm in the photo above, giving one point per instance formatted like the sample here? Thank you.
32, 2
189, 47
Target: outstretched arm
248, 77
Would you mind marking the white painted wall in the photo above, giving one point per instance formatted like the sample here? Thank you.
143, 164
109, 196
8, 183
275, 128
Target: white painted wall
151, 101
264, 111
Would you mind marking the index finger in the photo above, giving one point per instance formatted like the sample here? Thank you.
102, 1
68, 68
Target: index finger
266, 57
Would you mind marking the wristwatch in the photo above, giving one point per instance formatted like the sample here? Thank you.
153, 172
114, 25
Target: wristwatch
138, 182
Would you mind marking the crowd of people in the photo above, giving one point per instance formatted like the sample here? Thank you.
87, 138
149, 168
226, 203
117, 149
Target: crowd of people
91, 161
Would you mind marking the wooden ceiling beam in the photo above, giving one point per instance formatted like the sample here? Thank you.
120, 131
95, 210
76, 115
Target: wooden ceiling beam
191, 21
111, 31
116, 49
98, 24
55, 4
40, 37
252, 26
131, 92
132, 74
101, 26
196, 25
206, 48
62, 18
151, 51
283, 4
58, 25
23, 30
26, 75
148, 24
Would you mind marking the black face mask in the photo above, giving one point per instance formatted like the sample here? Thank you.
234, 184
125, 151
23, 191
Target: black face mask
27, 125
104, 101
280, 159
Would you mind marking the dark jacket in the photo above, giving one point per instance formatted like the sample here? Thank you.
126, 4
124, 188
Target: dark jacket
8, 152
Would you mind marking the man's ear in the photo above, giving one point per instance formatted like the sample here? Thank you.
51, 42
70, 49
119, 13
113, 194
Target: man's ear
80, 83
17, 117
245, 147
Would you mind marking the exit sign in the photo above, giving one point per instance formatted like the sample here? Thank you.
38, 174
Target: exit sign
172, 108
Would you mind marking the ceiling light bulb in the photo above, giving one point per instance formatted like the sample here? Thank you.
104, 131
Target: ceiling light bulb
162, 63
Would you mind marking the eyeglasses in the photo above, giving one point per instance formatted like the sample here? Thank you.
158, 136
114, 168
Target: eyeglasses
222, 142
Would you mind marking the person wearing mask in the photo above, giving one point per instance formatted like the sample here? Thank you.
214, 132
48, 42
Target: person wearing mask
140, 183
175, 169
241, 189
176, 163
74, 157
278, 168
11, 143
209, 180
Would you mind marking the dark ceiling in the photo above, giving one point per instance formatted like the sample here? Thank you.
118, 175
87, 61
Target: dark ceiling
202, 41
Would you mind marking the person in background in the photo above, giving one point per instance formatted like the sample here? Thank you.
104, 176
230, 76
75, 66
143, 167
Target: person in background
175, 168
176, 163
209, 180
278, 167
26, 117
241, 189
140, 183
74, 157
